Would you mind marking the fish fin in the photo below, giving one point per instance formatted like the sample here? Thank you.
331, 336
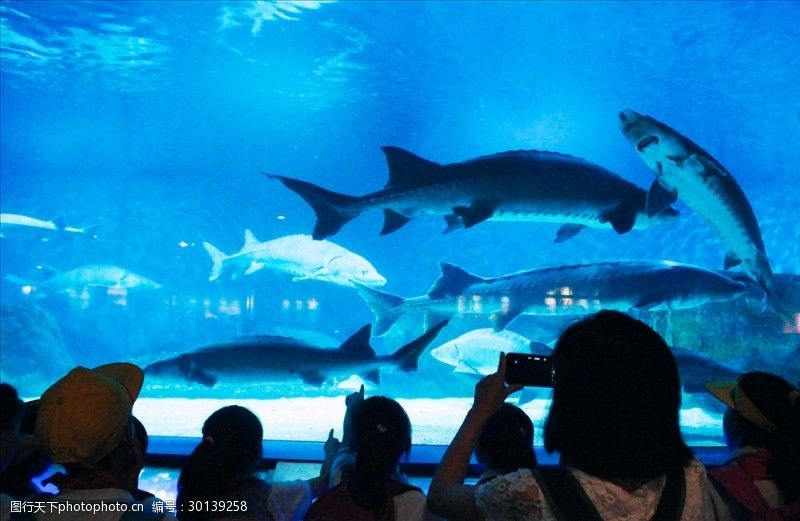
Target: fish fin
358, 343
452, 281
568, 231
407, 357
659, 198
622, 217
385, 306
313, 378
474, 214
373, 376
59, 222
500, 320
648, 301
254, 267
731, 260
249, 240
393, 221
407, 169
333, 210
217, 260
464, 368
453, 222
201, 376
539, 348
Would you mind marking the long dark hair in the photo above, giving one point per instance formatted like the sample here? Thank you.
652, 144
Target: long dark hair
381, 435
616, 400
778, 401
231, 448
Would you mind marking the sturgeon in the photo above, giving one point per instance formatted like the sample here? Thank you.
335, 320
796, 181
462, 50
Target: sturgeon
12, 222
521, 185
269, 358
683, 168
107, 276
558, 290
297, 255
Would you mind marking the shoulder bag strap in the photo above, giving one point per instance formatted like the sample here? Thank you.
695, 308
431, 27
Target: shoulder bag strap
566, 496
673, 496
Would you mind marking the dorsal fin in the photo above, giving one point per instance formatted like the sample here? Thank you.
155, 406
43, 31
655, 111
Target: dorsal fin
358, 343
453, 281
407, 169
249, 239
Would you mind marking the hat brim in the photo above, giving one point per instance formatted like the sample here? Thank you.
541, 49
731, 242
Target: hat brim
722, 391
128, 375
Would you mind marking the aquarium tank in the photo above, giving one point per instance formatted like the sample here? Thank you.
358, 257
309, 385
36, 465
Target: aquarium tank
272, 203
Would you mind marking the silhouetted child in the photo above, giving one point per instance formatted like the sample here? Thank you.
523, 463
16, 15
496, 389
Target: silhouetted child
506, 443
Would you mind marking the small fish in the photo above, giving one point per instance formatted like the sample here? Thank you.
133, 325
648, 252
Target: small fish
521, 185
11, 223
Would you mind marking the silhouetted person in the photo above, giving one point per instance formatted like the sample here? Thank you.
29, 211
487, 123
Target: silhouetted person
381, 435
614, 420
30, 461
84, 423
223, 468
762, 426
505, 443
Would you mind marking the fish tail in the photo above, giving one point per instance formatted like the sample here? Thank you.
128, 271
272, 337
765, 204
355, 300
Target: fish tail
407, 356
217, 259
333, 209
385, 306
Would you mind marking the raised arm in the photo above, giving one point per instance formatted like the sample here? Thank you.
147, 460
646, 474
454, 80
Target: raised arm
448, 496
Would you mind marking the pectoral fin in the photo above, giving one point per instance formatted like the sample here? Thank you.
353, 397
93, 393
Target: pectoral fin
313, 378
731, 260
622, 218
500, 320
201, 376
474, 214
648, 302
659, 198
254, 267
568, 231
453, 222
393, 221
373, 376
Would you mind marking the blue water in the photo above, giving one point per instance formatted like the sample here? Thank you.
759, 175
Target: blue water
154, 121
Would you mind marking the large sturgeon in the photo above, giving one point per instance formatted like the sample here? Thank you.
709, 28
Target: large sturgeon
683, 168
297, 255
559, 290
522, 185
268, 358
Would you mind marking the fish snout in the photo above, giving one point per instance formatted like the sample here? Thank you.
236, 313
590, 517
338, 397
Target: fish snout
627, 118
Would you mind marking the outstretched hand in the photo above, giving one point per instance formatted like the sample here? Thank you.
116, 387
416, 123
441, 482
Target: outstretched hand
491, 391
331, 446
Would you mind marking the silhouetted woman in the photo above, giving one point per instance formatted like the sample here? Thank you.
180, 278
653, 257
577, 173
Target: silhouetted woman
381, 435
219, 480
